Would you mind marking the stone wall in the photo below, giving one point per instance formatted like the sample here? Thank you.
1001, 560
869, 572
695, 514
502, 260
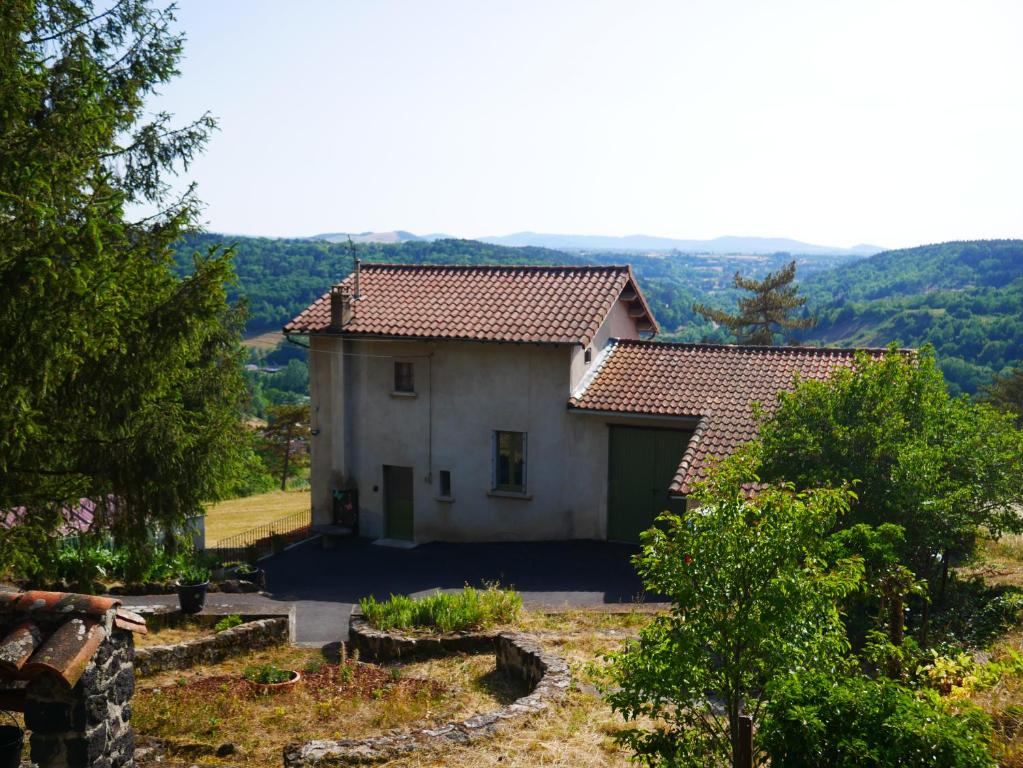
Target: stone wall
89, 724
236, 641
517, 654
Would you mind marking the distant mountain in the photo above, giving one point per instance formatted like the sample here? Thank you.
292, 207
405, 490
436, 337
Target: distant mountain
604, 244
395, 236
719, 245
965, 298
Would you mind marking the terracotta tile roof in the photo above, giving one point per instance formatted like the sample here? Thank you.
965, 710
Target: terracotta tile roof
562, 305
716, 384
56, 632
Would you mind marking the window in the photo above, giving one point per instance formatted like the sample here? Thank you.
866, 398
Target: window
445, 484
404, 377
588, 355
510, 461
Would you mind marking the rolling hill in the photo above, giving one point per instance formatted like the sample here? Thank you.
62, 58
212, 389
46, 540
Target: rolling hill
965, 298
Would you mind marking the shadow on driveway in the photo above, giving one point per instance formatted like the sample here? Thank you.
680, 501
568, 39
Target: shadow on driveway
555, 573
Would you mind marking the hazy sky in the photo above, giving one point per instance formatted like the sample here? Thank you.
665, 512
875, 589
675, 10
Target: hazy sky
889, 122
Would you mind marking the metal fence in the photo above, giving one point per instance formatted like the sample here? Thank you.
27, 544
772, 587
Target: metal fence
265, 539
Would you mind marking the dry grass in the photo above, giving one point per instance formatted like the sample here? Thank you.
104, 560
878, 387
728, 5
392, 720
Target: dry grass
170, 635
579, 733
266, 341
1000, 563
239, 515
210, 705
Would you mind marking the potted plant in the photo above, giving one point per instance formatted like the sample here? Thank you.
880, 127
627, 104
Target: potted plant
192, 583
12, 741
269, 678
250, 573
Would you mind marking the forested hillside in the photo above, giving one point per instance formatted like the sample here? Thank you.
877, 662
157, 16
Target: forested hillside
965, 298
281, 277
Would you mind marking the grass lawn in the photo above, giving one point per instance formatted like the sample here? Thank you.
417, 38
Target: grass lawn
238, 515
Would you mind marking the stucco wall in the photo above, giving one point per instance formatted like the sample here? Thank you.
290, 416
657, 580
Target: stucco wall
617, 325
464, 392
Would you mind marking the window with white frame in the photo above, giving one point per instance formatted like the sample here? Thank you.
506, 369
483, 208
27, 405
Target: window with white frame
509, 462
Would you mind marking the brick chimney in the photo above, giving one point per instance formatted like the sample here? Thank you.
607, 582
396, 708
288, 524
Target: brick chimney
340, 306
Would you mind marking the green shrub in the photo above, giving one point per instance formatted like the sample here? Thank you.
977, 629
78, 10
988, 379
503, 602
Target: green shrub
232, 620
470, 609
821, 721
266, 674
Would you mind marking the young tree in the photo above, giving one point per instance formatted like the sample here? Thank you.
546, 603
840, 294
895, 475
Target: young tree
940, 467
120, 379
751, 600
769, 311
288, 425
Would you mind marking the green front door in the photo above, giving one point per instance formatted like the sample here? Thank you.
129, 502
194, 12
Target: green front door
642, 464
398, 502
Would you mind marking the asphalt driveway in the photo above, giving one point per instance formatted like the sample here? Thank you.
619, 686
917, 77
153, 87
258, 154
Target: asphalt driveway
323, 585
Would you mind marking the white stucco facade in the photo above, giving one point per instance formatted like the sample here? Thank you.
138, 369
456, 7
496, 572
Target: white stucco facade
464, 392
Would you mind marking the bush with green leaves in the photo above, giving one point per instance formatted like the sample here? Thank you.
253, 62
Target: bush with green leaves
752, 599
470, 609
229, 621
820, 720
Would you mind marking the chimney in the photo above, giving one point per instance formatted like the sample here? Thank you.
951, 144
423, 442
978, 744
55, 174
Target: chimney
340, 306
358, 273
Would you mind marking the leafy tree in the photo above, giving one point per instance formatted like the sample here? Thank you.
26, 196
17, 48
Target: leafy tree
752, 599
287, 429
1006, 394
939, 467
767, 312
119, 373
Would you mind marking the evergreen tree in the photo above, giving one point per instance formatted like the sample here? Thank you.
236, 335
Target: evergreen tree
767, 312
120, 376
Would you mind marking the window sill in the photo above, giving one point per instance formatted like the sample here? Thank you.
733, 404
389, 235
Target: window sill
520, 495
445, 499
404, 394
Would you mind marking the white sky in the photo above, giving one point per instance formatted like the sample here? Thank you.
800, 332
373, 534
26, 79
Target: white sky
889, 122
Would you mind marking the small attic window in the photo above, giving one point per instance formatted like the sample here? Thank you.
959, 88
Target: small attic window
588, 355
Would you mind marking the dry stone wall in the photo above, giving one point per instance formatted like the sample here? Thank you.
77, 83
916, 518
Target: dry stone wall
236, 641
546, 675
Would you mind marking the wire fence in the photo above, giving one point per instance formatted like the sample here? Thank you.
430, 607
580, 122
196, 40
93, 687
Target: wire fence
265, 539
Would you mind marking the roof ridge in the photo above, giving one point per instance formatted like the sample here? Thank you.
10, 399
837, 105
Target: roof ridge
532, 267
757, 347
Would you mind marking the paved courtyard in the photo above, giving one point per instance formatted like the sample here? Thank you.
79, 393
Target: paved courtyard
324, 584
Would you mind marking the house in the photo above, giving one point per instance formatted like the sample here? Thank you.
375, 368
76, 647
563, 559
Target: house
481, 403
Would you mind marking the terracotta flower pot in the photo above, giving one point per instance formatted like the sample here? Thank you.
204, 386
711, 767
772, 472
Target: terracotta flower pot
273, 688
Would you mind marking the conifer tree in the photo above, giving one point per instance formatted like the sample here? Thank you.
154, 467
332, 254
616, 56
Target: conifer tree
767, 312
121, 379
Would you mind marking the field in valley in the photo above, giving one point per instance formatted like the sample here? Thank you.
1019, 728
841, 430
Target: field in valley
234, 516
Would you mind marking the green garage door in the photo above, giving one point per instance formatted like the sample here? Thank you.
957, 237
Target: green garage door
643, 462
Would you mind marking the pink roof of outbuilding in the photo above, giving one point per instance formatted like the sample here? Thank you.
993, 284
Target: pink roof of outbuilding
715, 385
559, 305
